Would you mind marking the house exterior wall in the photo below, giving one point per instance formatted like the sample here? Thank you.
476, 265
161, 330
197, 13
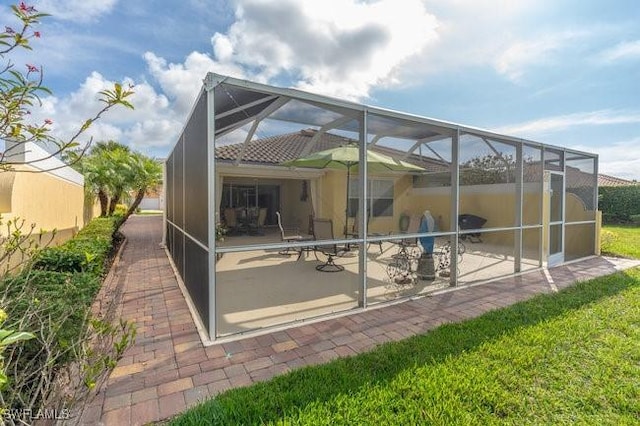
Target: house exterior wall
46, 200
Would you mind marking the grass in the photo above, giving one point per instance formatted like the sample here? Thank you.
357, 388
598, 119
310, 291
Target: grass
149, 212
621, 240
564, 358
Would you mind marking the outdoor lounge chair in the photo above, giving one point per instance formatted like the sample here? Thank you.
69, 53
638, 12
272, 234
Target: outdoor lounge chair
290, 235
323, 230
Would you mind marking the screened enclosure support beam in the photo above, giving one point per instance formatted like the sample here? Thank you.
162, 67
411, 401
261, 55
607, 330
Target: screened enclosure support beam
376, 138
211, 202
496, 152
517, 253
231, 127
362, 207
163, 243
455, 206
246, 106
276, 105
425, 141
435, 153
330, 125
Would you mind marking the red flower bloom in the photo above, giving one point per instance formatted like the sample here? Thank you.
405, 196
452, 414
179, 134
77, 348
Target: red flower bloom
36, 34
48, 121
32, 68
26, 9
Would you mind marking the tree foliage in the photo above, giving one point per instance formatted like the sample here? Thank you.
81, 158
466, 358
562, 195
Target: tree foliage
20, 91
43, 379
619, 203
488, 169
112, 171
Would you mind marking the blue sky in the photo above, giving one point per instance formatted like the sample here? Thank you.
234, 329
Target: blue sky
560, 72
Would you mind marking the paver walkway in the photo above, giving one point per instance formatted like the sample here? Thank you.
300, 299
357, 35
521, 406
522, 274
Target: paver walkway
168, 369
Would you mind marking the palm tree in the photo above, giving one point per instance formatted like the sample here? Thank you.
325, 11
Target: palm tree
108, 173
112, 171
148, 174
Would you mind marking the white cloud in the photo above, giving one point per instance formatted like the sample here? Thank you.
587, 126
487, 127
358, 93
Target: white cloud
343, 48
181, 82
76, 10
622, 51
153, 122
563, 122
620, 159
520, 55
340, 48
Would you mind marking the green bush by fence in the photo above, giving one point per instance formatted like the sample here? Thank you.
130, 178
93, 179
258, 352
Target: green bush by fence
619, 204
86, 252
52, 298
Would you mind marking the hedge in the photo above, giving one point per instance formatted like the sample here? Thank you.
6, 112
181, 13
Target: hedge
619, 203
52, 296
88, 251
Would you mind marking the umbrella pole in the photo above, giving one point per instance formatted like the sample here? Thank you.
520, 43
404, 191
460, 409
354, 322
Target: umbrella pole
346, 210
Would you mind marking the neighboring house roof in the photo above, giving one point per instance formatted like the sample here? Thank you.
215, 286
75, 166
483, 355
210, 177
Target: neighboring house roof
275, 150
606, 180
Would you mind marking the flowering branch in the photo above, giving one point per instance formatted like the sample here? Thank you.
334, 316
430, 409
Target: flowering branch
21, 91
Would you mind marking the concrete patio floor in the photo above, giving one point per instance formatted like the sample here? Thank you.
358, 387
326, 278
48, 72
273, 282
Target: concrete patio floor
168, 369
262, 288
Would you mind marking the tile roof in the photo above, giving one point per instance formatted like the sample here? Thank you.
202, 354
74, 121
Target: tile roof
606, 180
278, 149
274, 150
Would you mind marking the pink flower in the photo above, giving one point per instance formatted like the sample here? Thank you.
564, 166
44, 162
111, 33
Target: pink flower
26, 9
36, 34
48, 121
32, 68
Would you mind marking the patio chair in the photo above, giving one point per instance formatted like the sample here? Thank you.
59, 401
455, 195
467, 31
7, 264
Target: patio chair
231, 220
290, 235
355, 234
323, 230
257, 220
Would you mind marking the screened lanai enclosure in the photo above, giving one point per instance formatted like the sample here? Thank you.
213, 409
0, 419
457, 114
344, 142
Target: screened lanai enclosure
284, 206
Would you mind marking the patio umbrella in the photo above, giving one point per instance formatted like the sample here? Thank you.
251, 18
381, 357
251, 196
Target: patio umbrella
347, 158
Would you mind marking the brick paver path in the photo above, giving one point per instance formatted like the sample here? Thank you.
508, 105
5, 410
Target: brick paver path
168, 369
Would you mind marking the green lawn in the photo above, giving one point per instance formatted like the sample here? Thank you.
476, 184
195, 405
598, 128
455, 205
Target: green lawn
566, 358
621, 241
149, 212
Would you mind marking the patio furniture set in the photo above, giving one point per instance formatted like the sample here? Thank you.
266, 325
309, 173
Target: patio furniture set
402, 268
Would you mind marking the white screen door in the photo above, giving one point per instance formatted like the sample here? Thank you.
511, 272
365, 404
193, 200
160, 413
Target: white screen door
556, 220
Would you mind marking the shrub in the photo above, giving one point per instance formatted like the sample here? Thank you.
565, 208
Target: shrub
607, 238
53, 299
62, 296
120, 210
87, 252
619, 203
60, 259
